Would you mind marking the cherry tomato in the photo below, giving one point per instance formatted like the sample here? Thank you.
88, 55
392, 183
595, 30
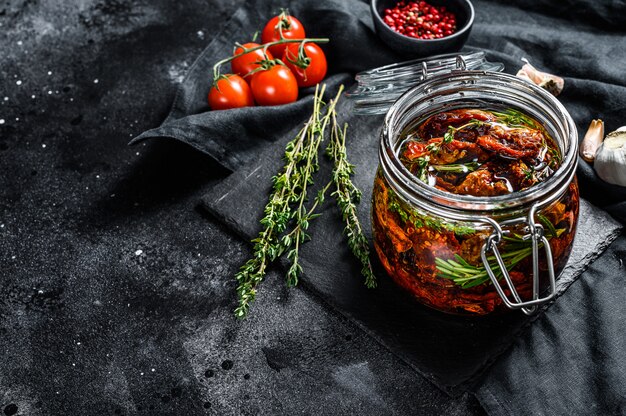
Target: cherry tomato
231, 92
284, 24
242, 65
312, 70
274, 86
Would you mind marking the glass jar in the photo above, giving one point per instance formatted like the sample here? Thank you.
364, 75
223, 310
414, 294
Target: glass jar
474, 255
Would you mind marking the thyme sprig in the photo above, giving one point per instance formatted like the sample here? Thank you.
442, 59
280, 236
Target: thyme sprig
348, 195
287, 203
302, 215
457, 167
418, 220
278, 211
448, 136
422, 168
514, 118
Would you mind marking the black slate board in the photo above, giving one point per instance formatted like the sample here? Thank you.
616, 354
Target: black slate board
448, 350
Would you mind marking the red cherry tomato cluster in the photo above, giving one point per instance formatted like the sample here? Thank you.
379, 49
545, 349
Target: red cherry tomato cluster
418, 19
271, 73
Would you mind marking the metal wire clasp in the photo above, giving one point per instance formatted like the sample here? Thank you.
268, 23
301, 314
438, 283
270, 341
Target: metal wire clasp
459, 61
536, 235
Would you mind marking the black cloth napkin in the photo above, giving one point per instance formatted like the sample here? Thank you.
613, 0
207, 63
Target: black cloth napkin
580, 40
572, 360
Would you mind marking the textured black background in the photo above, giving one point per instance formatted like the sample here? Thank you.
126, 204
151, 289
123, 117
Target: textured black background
116, 290
90, 327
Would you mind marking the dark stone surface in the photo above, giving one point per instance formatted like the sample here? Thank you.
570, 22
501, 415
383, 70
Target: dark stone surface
116, 292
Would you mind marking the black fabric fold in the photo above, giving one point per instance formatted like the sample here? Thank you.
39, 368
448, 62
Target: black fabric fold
572, 361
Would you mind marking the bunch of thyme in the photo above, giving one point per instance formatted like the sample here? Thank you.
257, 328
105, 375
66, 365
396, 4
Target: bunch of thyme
287, 204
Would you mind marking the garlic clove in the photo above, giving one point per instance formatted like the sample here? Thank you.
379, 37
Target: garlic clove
593, 139
522, 74
610, 162
552, 83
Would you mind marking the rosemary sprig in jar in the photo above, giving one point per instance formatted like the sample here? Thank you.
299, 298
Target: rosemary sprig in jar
467, 275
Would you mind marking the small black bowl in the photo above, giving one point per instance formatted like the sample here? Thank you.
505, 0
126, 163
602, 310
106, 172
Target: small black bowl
463, 10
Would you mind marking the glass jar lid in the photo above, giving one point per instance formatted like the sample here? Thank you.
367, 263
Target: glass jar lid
377, 89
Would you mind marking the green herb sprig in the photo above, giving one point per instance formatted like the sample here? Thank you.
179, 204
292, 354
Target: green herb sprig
348, 195
287, 204
422, 163
419, 220
310, 165
289, 187
457, 167
514, 118
517, 249
422, 168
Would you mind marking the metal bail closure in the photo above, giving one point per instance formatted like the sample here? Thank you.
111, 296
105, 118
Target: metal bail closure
460, 63
536, 235
461, 66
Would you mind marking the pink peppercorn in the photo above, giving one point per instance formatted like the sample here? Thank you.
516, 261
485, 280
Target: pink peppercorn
420, 20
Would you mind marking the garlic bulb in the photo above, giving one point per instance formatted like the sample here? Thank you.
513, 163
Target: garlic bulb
549, 82
610, 164
593, 139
